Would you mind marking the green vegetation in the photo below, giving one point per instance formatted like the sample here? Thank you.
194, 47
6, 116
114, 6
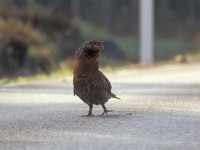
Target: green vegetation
38, 38
166, 49
89, 31
193, 56
129, 44
40, 76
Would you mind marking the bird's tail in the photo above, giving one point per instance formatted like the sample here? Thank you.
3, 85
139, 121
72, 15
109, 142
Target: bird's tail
114, 96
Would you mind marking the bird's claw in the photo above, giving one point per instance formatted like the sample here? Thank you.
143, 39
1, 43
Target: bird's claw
89, 115
106, 112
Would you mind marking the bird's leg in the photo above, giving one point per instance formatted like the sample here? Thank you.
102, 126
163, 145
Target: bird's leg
105, 110
90, 111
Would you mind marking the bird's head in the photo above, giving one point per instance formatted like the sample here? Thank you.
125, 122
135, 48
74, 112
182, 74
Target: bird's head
95, 45
90, 49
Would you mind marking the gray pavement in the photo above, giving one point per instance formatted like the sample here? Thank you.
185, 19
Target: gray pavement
159, 110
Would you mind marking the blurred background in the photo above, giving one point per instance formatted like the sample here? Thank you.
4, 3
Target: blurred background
41, 36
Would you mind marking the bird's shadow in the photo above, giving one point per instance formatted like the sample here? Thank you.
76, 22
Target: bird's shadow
114, 116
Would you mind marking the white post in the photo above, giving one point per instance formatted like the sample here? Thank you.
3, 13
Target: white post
146, 31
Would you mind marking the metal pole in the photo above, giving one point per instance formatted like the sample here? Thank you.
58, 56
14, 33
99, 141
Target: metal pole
146, 31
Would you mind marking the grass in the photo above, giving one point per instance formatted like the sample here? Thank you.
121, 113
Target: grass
21, 79
54, 75
193, 56
62, 70
166, 49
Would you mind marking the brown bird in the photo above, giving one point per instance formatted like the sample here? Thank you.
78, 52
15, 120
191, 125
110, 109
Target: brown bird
90, 84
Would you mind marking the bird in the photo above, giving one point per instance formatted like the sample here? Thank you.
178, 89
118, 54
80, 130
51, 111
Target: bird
90, 84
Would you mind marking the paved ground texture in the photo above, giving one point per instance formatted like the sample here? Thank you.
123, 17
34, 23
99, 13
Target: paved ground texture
159, 110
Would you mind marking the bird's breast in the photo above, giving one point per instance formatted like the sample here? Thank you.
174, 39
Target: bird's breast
86, 67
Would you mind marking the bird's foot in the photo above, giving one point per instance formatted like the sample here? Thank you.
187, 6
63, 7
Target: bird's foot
106, 112
89, 115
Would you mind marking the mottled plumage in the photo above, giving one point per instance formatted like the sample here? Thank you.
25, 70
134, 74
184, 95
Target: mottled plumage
91, 85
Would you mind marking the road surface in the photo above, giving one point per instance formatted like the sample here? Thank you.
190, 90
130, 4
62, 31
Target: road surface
159, 110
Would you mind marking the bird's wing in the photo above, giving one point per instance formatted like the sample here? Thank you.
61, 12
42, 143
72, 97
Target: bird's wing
102, 83
81, 85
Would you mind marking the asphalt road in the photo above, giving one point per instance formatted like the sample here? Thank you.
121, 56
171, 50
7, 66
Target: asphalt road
159, 110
